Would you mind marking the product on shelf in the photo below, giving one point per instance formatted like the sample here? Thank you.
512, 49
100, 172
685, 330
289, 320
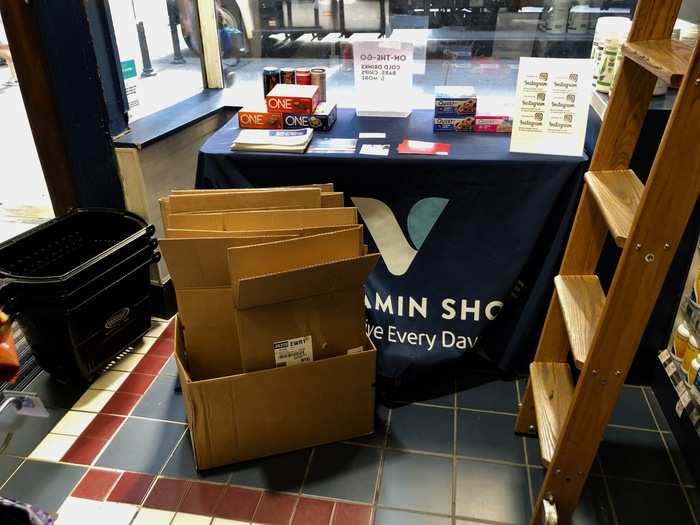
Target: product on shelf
693, 371
453, 124
318, 78
303, 75
293, 98
691, 353
680, 341
258, 117
493, 124
610, 32
287, 75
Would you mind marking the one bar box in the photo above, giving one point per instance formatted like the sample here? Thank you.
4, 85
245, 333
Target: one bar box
461, 124
293, 98
257, 117
455, 101
322, 119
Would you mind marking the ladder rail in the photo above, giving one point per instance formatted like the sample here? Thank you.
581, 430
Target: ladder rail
670, 195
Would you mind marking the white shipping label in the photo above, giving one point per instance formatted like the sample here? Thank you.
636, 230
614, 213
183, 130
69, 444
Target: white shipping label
293, 351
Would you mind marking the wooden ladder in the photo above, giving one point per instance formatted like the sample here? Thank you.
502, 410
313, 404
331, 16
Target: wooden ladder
647, 222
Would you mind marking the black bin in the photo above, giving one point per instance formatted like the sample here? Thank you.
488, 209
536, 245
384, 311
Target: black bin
79, 287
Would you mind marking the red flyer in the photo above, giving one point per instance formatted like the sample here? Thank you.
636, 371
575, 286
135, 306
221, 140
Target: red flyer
419, 147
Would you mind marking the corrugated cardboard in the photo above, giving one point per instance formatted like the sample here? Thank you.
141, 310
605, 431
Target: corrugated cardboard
332, 200
258, 414
324, 186
246, 200
297, 288
293, 232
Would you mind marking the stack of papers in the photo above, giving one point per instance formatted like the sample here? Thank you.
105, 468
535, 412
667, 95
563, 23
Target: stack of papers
287, 141
333, 145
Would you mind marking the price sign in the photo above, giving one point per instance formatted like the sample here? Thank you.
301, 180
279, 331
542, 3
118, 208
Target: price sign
685, 399
383, 77
694, 416
671, 368
679, 408
664, 356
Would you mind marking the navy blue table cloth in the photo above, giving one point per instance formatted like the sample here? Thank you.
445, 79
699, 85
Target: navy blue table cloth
470, 242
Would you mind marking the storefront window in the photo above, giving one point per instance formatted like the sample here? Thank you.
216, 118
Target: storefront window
24, 199
456, 42
159, 50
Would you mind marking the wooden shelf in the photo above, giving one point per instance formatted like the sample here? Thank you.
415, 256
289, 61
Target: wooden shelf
552, 389
617, 193
581, 299
667, 59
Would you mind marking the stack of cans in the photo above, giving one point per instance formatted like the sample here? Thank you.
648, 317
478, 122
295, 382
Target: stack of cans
294, 98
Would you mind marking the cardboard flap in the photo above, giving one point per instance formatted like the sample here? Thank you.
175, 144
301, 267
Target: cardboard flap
284, 219
254, 198
333, 199
274, 257
213, 221
303, 282
208, 234
202, 262
324, 187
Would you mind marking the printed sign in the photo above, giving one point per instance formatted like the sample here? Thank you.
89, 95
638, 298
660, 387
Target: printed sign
551, 111
383, 77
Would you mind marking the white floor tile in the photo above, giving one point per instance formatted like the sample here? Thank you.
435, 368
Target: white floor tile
93, 400
77, 511
73, 423
127, 363
145, 345
221, 521
110, 380
153, 517
182, 518
53, 447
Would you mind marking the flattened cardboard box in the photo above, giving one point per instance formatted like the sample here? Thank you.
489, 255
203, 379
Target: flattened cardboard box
299, 299
257, 414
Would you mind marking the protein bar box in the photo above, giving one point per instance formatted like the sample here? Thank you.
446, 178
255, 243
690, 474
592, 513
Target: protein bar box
293, 98
322, 119
453, 124
455, 101
258, 118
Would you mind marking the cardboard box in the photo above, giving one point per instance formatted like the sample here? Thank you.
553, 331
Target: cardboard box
333, 199
293, 98
322, 119
251, 415
461, 124
455, 101
293, 232
246, 200
300, 299
258, 118
493, 124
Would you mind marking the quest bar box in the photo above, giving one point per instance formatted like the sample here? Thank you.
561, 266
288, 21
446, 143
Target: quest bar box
322, 120
455, 101
293, 98
256, 414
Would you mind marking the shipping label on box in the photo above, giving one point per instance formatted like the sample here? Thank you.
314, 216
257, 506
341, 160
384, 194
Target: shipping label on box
322, 120
453, 124
259, 118
293, 98
493, 124
455, 101
293, 351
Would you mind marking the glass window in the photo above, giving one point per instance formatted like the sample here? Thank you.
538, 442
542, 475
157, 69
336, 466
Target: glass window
159, 50
456, 42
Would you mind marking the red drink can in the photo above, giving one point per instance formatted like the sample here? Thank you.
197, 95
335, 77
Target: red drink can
303, 76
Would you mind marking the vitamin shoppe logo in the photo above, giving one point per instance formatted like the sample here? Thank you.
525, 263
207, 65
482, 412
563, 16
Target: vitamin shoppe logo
397, 252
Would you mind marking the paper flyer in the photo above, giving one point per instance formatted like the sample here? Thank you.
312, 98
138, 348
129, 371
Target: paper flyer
551, 106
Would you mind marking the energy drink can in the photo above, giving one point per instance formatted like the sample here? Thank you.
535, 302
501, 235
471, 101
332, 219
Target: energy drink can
271, 77
303, 76
318, 78
287, 75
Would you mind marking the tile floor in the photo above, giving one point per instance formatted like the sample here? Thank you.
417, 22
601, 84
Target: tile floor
120, 453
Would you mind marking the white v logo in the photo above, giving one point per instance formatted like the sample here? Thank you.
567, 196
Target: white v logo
396, 251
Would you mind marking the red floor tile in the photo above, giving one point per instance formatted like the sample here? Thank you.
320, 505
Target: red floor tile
131, 488
163, 347
121, 403
103, 426
202, 498
238, 504
136, 383
313, 512
351, 514
150, 364
84, 450
275, 509
167, 494
169, 332
96, 484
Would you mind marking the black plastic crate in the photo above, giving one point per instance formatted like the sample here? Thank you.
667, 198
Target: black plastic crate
79, 287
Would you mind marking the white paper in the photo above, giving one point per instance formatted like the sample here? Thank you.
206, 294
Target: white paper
379, 150
372, 135
551, 110
383, 72
293, 351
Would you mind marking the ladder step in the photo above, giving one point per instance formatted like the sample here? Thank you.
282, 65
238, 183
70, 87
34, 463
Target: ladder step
667, 59
617, 193
581, 299
552, 390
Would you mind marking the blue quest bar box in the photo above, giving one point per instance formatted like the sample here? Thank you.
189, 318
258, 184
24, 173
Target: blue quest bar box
455, 101
321, 120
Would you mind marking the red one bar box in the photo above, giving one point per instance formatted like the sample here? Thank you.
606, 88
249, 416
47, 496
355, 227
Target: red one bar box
293, 98
258, 118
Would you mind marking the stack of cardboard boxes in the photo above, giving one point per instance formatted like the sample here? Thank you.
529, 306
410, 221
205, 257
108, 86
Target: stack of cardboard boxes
271, 347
